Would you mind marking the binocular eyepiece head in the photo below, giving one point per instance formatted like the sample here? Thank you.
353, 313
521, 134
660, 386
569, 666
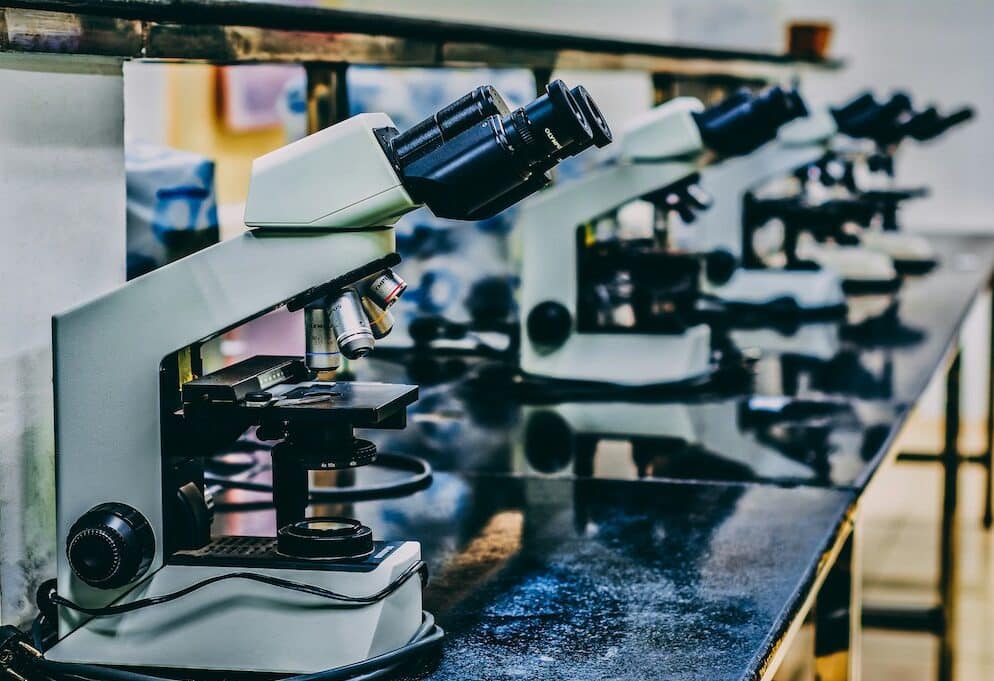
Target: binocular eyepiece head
893, 120
865, 117
744, 122
476, 157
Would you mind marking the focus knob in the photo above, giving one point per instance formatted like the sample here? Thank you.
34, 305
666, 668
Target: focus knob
110, 546
549, 324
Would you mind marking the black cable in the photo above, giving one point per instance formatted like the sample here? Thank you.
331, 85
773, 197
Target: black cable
420, 480
427, 636
346, 600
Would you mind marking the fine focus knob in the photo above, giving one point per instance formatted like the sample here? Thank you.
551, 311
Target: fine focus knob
110, 546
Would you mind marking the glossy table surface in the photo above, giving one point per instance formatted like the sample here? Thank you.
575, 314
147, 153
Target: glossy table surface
591, 579
614, 539
824, 404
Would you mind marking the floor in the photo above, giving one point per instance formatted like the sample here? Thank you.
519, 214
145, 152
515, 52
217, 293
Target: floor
900, 538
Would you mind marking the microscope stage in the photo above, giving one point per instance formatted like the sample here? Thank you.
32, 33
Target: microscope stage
276, 387
358, 403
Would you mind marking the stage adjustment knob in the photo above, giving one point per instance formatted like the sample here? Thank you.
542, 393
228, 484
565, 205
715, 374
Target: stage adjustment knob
110, 546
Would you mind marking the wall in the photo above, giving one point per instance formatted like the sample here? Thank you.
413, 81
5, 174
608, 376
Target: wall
937, 51
62, 235
934, 49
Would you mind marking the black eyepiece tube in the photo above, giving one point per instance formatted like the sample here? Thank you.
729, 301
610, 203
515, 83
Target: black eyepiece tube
451, 120
466, 165
737, 98
549, 125
741, 128
878, 122
853, 108
921, 123
602, 135
899, 102
940, 124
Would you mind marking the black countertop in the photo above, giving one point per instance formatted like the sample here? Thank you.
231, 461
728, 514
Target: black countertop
593, 579
548, 563
892, 356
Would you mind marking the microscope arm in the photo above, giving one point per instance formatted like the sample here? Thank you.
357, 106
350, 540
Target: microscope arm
108, 354
550, 221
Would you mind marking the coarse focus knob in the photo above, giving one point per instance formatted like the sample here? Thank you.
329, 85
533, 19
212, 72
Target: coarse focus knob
549, 324
110, 546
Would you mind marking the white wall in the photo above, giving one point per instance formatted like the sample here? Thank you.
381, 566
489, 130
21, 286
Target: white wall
938, 51
61, 242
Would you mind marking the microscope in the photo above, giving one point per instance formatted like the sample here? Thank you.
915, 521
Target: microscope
772, 278
804, 218
618, 303
142, 582
860, 167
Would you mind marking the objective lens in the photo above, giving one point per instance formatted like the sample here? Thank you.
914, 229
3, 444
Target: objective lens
352, 332
321, 353
386, 288
380, 320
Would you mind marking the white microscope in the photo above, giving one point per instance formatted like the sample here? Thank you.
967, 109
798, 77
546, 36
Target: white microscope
860, 166
617, 307
795, 217
142, 583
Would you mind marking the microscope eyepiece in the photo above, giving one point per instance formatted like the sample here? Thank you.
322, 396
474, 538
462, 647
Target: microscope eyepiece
880, 122
549, 125
859, 105
748, 121
602, 135
474, 158
451, 120
930, 123
741, 96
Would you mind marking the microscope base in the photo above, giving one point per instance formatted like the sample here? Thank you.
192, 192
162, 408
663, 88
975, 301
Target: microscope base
861, 269
812, 291
911, 253
631, 359
250, 627
819, 341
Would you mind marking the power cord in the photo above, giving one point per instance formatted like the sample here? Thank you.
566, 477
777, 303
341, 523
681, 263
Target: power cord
22, 659
421, 478
345, 600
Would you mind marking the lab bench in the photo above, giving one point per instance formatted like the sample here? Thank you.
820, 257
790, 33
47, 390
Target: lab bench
545, 578
672, 556
689, 538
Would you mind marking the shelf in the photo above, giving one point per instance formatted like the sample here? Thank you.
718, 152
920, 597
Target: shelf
235, 31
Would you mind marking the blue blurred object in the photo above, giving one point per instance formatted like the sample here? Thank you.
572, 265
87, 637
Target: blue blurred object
171, 206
